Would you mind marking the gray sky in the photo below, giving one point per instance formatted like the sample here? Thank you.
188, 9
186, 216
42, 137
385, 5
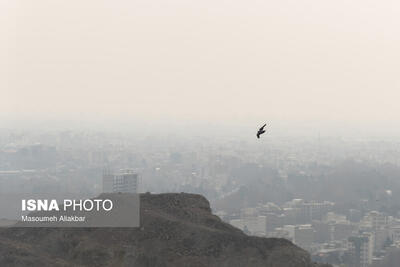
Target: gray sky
201, 60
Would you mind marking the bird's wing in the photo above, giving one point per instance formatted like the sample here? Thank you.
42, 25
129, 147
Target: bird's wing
262, 128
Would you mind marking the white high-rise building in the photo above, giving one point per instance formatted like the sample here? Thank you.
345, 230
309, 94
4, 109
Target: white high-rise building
363, 248
367, 250
126, 181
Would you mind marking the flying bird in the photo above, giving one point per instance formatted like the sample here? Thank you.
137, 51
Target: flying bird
261, 131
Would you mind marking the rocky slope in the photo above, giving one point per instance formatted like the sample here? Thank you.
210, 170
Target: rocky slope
176, 230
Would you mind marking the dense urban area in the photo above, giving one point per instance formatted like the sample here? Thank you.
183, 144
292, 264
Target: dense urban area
336, 197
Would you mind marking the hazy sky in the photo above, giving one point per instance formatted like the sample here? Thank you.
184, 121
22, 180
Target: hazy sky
201, 60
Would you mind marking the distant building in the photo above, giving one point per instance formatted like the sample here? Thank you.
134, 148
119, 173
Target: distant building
342, 231
374, 220
108, 181
362, 248
381, 238
323, 232
126, 181
306, 212
332, 217
304, 236
314, 210
354, 215
395, 233
273, 221
378, 219
290, 216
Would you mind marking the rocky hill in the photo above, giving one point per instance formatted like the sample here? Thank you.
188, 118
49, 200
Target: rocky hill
176, 230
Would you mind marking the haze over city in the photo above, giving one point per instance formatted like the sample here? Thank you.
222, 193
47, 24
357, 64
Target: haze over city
163, 97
